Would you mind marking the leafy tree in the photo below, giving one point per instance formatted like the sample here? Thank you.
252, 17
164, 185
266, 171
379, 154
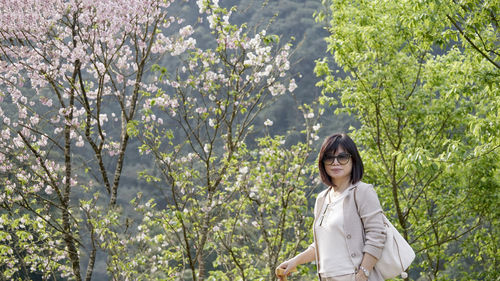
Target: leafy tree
422, 78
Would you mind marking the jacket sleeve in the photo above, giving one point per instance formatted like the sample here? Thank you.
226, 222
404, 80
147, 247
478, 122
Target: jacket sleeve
372, 216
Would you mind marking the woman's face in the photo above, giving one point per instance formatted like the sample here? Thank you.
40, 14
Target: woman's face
334, 168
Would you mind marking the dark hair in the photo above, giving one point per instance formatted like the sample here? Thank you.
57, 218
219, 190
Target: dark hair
330, 145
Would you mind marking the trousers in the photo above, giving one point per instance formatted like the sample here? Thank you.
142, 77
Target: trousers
347, 277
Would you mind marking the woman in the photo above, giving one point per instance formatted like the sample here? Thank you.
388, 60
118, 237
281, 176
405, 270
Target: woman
345, 248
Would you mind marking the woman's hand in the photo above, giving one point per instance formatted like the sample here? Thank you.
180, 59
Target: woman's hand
284, 269
360, 276
288, 267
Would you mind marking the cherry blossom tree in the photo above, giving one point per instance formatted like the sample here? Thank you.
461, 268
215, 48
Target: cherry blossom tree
76, 87
71, 78
196, 129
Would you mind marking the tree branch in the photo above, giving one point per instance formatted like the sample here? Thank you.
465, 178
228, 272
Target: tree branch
471, 43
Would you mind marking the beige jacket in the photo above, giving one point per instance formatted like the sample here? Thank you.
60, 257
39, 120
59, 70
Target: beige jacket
374, 230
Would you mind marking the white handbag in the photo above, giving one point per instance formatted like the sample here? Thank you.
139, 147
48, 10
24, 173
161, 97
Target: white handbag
397, 254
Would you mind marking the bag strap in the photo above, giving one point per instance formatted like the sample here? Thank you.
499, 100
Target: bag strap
359, 215
356, 202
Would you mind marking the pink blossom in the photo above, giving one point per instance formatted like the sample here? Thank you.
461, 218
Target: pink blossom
80, 142
186, 31
34, 119
5, 134
277, 89
18, 142
201, 110
292, 86
268, 123
42, 141
49, 190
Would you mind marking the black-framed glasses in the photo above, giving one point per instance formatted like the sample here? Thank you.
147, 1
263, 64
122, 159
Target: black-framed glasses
343, 158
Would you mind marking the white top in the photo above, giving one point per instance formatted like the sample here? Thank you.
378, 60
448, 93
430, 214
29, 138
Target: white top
333, 254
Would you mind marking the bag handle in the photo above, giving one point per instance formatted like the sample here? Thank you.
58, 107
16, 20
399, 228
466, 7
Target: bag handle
359, 215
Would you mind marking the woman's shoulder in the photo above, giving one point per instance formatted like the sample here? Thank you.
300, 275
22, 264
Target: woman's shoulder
365, 190
363, 186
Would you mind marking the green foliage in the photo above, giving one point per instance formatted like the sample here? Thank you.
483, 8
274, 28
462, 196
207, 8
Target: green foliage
28, 240
268, 207
427, 100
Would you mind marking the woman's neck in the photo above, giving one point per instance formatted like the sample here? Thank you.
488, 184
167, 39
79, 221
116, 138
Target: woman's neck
341, 185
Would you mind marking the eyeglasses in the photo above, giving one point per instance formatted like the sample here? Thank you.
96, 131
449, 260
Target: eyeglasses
343, 158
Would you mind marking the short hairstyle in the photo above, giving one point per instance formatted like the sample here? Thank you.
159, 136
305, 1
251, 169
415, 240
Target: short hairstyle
330, 145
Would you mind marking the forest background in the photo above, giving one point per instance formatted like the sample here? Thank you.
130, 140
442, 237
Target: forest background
174, 140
